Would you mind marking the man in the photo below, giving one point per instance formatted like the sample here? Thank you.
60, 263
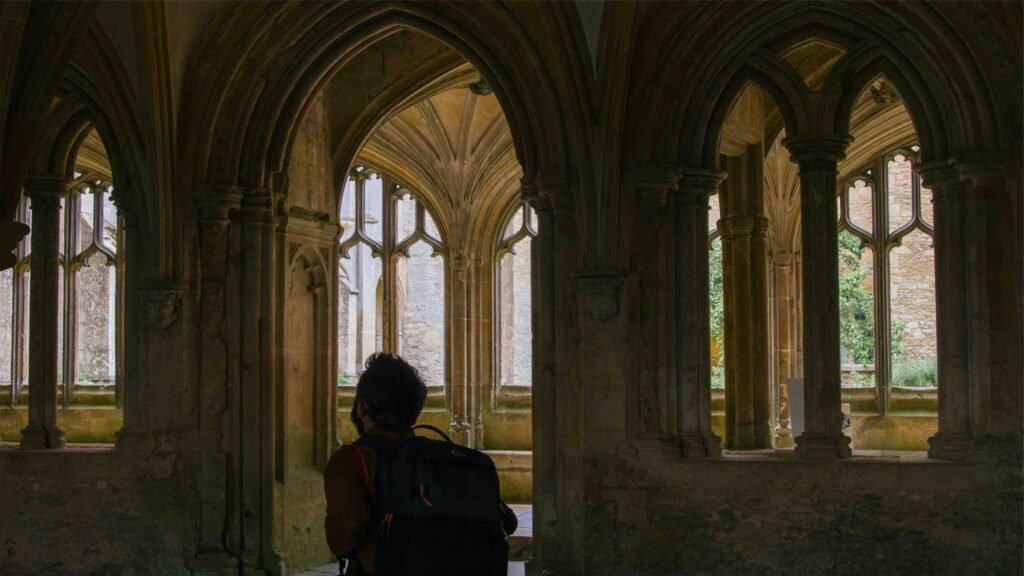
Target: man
389, 398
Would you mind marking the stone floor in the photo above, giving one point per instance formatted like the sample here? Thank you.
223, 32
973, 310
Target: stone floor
519, 544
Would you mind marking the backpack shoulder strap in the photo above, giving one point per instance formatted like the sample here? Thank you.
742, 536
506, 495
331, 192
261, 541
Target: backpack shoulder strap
357, 457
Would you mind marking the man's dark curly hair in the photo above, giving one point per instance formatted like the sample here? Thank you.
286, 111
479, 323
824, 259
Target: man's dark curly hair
393, 391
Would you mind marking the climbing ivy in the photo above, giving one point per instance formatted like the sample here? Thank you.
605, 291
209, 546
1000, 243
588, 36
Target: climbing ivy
716, 297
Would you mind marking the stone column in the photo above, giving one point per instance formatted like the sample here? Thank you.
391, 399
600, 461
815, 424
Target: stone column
745, 273
542, 319
818, 156
994, 301
42, 430
949, 194
693, 321
460, 427
785, 347
217, 534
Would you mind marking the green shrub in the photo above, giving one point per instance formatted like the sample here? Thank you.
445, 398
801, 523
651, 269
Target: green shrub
914, 373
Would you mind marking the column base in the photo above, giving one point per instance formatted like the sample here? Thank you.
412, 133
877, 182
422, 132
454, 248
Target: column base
38, 438
818, 446
783, 437
949, 446
700, 445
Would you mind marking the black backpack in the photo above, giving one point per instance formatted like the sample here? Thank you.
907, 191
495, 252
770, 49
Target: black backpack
438, 509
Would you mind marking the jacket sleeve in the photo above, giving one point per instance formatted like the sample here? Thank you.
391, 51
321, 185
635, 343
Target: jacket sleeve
349, 505
509, 520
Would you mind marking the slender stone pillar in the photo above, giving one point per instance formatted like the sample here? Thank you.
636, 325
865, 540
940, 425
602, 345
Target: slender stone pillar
693, 322
542, 319
745, 273
42, 430
994, 301
952, 442
460, 427
785, 343
818, 156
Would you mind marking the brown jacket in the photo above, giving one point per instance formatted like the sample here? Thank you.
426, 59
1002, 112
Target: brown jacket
350, 503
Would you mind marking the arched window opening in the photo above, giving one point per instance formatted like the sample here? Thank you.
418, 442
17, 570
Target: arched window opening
514, 333
391, 279
92, 266
887, 281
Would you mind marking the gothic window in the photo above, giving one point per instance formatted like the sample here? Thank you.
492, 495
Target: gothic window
514, 331
89, 290
391, 279
887, 281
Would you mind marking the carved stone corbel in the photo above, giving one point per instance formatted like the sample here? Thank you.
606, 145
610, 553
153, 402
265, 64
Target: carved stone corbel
163, 307
11, 234
601, 288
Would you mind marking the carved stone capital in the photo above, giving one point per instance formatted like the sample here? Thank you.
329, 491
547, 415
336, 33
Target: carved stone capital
601, 288
216, 204
700, 181
45, 190
11, 234
737, 227
653, 183
163, 306
817, 152
984, 171
943, 179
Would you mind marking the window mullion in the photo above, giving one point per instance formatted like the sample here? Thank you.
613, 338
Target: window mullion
389, 322
881, 237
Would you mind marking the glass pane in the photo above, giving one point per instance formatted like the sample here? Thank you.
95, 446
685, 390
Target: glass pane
419, 307
430, 227
860, 205
714, 214
26, 218
346, 214
6, 327
96, 305
717, 305
516, 337
61, 247
86, 209
405, 217
514, 224
360, 298
927, 210
109, 220
60, 324
912, 297
26, 349
856, 312
374, 217
898, 174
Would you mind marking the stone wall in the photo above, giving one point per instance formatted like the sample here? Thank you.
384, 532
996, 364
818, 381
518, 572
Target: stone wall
769, 515
99, 511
